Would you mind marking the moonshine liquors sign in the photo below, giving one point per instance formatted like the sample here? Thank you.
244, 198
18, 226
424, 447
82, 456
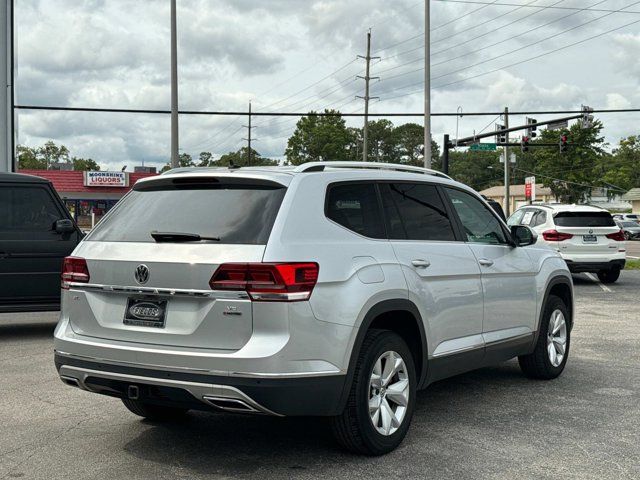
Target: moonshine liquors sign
106, 179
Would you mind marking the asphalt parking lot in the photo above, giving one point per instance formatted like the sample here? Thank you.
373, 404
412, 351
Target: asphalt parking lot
492, 423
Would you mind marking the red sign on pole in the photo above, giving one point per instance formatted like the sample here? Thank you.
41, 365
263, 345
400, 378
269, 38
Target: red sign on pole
530, 188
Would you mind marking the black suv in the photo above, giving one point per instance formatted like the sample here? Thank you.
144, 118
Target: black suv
36, 233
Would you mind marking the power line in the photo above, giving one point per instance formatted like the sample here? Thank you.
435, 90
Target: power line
539, 56
509, 65
533, 43
563, 180
462, 16
299, 114
503, 26
509, 52
512, 37
509, 4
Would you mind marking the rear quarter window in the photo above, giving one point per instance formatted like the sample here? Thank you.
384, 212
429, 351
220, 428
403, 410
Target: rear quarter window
355, 206
234, 213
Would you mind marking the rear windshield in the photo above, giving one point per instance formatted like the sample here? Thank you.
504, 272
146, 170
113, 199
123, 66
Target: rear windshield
584, 219
236, 214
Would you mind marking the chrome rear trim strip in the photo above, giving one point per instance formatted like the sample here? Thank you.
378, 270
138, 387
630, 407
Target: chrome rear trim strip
171, 292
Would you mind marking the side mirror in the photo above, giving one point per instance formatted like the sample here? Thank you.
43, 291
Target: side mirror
523, 235
64, 226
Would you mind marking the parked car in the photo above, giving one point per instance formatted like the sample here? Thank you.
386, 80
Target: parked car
632, 217
36, 234
587, 237
630, 229
335, 289
496, 207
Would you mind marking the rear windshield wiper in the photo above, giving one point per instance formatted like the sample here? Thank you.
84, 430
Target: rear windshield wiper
180, 237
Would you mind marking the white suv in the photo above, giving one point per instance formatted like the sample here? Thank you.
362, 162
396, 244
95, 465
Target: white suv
332, 289
587, 237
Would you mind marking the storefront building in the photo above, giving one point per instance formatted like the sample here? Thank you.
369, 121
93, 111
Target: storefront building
89, 195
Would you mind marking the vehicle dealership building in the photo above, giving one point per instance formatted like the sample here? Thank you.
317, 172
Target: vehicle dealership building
89, 195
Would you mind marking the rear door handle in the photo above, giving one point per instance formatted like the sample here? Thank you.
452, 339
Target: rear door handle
419, 263
485, 262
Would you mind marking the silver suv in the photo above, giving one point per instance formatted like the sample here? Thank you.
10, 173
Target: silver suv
331, 289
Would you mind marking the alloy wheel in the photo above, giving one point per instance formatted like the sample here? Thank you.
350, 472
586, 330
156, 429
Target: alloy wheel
388, 393
557, 338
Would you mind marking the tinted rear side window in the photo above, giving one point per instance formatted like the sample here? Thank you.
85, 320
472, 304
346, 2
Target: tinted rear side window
355, 206
415, 211
584, 219
27, 209
237, 214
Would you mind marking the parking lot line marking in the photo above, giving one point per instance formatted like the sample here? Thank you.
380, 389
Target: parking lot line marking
633, 258
598, 282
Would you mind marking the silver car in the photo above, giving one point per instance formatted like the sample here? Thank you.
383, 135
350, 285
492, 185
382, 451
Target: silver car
333, 289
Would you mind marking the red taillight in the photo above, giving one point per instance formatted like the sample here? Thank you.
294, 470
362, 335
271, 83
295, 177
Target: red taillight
555, 236
268, 281
618, 236
74, 269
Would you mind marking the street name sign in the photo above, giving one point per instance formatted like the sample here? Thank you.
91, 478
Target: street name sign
483, 147
558, 125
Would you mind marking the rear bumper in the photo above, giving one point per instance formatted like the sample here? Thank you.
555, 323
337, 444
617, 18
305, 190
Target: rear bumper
584, 266
303, 396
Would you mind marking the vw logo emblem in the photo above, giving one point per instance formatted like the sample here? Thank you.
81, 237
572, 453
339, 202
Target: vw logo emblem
591, 230
141, 274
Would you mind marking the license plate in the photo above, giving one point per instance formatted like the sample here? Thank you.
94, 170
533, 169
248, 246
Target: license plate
589, 239
145, 313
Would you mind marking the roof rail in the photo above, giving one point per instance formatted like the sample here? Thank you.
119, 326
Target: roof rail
320, 166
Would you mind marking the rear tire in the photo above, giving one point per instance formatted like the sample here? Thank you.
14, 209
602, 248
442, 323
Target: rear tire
156, 413
609, 276
552, 348
382, 396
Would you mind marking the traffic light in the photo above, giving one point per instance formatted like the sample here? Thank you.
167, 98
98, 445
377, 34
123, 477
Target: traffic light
501, 136
563, 144
524, 144
587, 118
531, 130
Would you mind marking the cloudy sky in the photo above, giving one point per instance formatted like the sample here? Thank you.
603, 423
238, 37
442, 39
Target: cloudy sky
297, 55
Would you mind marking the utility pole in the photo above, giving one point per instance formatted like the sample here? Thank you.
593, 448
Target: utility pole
175, 156
505, 152
7, 138
248, 139
427, 84
366, 78
445, 154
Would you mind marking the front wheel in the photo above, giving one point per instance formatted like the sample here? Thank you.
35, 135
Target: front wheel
609, 276
552, 348
382, 397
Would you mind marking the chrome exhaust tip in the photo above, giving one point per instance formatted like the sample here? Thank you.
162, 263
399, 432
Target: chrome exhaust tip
230, 404
71, 381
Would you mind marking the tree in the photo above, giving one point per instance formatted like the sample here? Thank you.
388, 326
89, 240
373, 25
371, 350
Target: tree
52, 153
319, 138
184, 160
622, 168
479, 170
239, 158
85, 164
28, 159
572, 174
382, 143
205, 159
